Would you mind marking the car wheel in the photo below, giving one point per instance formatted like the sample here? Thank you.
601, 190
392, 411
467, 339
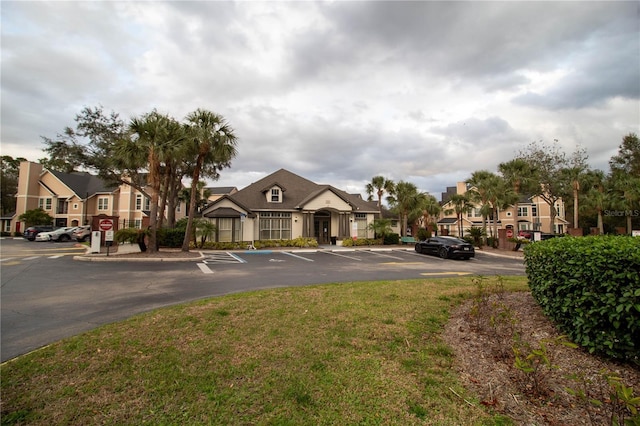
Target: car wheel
418, 248
64, 237
443, 252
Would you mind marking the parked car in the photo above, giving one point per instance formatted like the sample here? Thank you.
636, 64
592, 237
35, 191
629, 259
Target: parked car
446, 247
60, 234
31, 232
82, 233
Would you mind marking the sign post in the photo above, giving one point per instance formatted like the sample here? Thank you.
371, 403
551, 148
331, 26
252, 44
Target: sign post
106, 225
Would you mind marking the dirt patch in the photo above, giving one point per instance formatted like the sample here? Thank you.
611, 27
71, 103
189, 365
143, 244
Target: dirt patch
484, 359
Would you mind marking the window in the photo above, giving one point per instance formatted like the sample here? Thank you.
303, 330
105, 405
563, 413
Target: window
178, 207
523, 211
474, 212
534, 210
138, 201
361, 221
137, 223
228, 229
103, 203
147, 203
275, 226
44, 203
75, 206
275, 195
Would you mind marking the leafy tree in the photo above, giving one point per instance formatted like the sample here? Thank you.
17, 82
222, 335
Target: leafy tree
379, 185
628, 158
36, 217
9, 171
625, 178
211, 142
549, 165
461, 205
407, 201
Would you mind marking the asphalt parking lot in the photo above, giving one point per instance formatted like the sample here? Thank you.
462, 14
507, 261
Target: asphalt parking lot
48, 296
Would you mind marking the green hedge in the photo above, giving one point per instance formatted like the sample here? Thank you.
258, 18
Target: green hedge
590, 287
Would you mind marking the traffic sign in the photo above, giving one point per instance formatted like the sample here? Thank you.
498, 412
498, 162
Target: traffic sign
105, 224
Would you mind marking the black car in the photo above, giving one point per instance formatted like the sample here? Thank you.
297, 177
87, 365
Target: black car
31, 232
446, 247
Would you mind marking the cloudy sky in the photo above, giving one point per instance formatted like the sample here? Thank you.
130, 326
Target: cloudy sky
337, 92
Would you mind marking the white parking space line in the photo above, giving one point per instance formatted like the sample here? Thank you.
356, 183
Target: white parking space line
221, 258
297, 257
7, 259
377, 253
340, 255
204, 268
55, 257
31, 258
238, 258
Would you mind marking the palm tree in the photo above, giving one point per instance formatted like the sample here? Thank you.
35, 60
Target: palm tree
205, 229
625, 195
596, 197
431, 209
406, 200
151, 135
461, 205
485, 186
519, 174
379, 185
212, 144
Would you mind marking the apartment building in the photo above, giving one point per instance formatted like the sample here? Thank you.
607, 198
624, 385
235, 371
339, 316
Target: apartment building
73, 199
529, 213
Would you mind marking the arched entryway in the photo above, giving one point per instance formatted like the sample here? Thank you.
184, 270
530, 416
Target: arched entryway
322, 226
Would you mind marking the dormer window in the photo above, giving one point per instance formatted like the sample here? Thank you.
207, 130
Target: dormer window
275, 195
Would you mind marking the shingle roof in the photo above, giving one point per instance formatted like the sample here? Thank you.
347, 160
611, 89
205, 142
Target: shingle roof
83, 184
299, 191
218, 190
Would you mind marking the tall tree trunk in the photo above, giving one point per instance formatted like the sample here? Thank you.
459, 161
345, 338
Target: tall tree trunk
154, 184
576, 188
192, 203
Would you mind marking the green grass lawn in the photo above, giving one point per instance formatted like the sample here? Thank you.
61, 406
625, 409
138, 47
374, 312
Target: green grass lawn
347, 353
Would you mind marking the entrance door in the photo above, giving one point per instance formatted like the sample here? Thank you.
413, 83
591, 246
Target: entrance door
321, 230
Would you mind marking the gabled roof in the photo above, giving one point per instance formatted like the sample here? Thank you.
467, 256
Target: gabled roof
299, 192
221, 190
83, 184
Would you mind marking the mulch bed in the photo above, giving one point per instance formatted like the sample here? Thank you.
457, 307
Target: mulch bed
485, 363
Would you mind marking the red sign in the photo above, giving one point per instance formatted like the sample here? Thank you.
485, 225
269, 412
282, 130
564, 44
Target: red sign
509, 233
106, 224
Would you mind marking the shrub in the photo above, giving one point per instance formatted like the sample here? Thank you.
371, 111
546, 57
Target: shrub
590, 287
391, 239
476, 235
423, 234
350, 242
127, 235
168, 237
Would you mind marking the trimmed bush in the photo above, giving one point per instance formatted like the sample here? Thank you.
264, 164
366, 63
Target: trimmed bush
590, 287
350, 242
391, 239
168, 237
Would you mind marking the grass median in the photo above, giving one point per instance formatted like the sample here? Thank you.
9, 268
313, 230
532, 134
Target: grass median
347, 353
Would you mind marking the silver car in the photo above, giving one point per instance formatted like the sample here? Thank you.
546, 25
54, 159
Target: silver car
60, 234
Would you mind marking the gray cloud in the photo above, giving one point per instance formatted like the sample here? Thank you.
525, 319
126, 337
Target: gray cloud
335, 91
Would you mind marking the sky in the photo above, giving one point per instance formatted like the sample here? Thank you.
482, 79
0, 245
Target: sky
337, 92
